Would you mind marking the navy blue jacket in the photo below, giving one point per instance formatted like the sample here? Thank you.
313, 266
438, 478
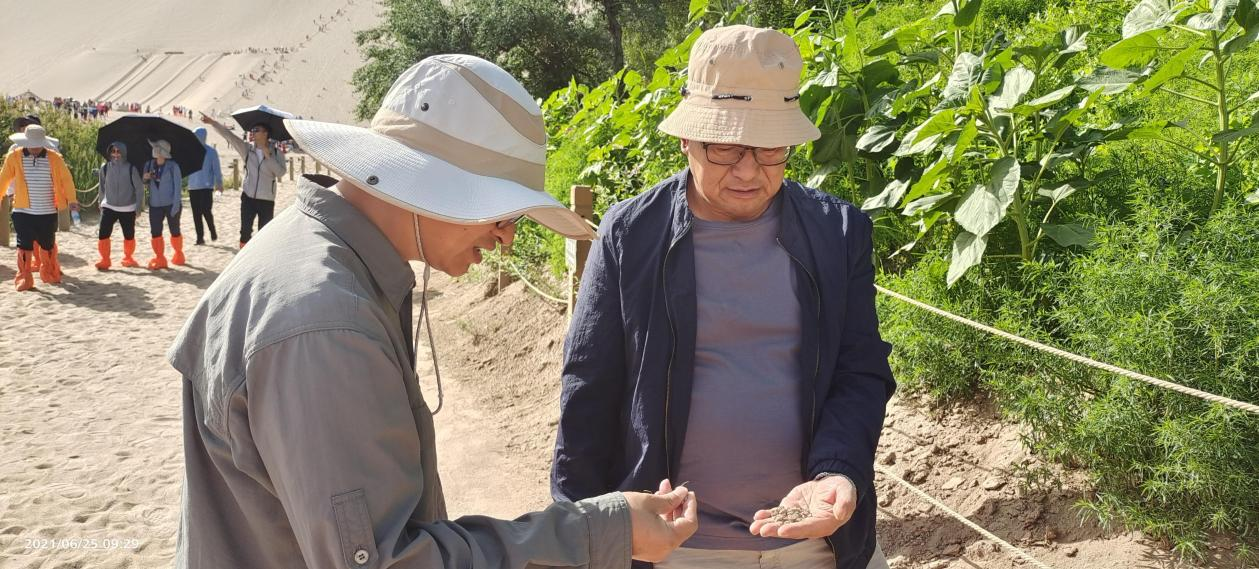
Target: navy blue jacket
629, 356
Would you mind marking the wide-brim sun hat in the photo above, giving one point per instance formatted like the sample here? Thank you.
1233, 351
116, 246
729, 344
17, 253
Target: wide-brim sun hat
456, 138
34, 136
742, 87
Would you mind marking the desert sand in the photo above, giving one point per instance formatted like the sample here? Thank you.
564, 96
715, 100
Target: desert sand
296, 55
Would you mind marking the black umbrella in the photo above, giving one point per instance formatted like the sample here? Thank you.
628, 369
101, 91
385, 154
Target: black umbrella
273, 119
136, 131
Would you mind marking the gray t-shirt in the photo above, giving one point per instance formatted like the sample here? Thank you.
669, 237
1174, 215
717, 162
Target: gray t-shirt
744, 436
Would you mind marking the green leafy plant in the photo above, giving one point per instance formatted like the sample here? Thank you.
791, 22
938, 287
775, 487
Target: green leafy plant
1192, 46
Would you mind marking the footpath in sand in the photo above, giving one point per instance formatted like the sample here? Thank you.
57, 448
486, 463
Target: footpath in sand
297, 55
91, 440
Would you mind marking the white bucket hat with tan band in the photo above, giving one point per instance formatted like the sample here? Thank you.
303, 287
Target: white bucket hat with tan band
742, 88
456, 138
34, 136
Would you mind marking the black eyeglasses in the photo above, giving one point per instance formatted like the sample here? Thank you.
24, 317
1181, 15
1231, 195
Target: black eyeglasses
257, 130
731, 154
504, 224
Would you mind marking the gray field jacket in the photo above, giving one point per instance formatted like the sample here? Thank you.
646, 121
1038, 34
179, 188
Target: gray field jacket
307, 442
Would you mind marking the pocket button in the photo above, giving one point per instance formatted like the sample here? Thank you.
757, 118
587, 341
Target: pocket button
361, 557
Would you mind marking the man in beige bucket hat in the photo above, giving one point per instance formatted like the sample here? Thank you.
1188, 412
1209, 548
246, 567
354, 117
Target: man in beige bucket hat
307, 442
728, 316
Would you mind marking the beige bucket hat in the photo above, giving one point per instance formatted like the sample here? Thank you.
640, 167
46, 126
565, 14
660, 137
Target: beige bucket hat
456, 138
742, 88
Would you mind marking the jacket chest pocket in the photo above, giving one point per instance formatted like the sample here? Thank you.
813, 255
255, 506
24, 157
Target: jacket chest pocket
354, 527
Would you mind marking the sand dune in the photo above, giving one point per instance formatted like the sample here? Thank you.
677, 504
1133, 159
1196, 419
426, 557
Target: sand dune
297, 55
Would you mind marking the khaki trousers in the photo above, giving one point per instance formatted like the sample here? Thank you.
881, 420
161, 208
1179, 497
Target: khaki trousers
808, 554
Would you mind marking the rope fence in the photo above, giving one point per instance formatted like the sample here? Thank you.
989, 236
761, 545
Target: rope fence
959, 517
95, 200
1242, 405
521, 275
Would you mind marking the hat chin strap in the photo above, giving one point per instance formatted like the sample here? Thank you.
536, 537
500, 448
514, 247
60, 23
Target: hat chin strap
428, 324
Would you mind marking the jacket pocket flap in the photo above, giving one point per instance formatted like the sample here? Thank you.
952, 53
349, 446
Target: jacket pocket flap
354, 527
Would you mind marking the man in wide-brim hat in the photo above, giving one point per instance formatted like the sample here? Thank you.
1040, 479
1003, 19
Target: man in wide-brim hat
307, 441
728, 314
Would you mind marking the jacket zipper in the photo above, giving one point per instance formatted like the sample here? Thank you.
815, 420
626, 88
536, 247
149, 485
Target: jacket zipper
817, 353
668, 381
817, 364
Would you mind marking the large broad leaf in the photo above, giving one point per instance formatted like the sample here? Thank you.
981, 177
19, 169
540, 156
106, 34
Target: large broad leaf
930, 179
1240, 41
1070, 234
968, 250
889, 197
1059, 193
697, 8
1217, 19
1247, 14
877, 138
966, 15
939, 123
883, 47
967, 69
1014, 87
1045, 101
921, 205
1233, 135
819, 176
913, 143
985, 205
957, 145
1136, 51
803, 18
1149, 15
1109, 81
1074, 40
1170, 69
878, 72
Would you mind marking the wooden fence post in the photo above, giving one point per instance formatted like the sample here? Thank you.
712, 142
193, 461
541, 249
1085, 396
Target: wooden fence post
290, 168
63, 220
577, 251
236, 173
303, 165
504, 277
316, 167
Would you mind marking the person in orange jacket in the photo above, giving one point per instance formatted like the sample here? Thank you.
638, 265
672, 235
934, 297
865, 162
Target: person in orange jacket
42, 186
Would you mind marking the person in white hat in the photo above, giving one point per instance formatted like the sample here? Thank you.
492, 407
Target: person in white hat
307, 441
728, 315
164, 181
42, 186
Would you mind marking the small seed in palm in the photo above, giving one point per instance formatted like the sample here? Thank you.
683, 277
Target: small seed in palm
788, 515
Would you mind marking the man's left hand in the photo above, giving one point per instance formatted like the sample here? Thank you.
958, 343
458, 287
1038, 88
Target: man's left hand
830, 503
74, 207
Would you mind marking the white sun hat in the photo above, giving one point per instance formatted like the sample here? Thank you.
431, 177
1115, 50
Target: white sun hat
456, 138
34, 136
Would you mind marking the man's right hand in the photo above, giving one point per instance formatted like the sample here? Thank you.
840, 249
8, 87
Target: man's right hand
657, 527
